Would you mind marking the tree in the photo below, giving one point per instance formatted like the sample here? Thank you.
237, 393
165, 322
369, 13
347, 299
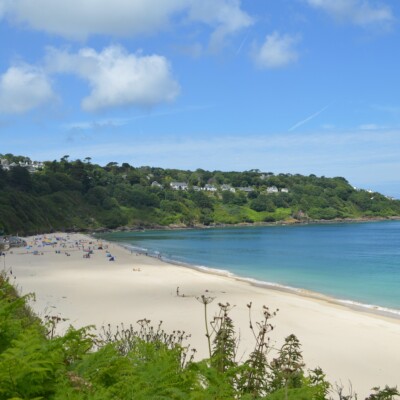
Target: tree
133, 177
228, 197
20, 178
262, 203
113, 219
202, 200
240, 199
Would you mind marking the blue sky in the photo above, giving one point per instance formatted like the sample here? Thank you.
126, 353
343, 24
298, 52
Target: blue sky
292, 86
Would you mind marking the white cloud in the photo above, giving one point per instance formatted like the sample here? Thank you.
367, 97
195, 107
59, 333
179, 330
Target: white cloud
23, 88
225, 15
360, 12
2, 9
79, 19
117, 78
277, 51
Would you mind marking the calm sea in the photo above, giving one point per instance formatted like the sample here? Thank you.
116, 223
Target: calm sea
359, 262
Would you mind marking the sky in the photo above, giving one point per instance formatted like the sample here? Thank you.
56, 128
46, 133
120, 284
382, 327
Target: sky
288, 86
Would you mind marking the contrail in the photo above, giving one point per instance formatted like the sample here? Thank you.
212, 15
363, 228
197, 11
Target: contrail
242, 44
304, 121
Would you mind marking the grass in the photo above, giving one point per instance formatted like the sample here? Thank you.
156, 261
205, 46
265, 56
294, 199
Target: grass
233, 214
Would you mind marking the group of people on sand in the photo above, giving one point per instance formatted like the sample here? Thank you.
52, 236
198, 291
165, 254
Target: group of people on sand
60, 244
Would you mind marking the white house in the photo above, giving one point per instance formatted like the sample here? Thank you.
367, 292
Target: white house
210, 188
30, 166
5, 164
156, 184
246, 189
228, 187
179, 185
285, 190
37, 164
272, 189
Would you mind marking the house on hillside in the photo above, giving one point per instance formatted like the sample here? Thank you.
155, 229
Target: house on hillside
179, 186
210, 188
229, 188
5, 164
37, 164
30, 166
247, 189
156, 185
272, 189
31, 169
285, 190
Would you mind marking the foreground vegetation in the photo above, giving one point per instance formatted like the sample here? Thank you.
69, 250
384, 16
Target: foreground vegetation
79, 195
148, 363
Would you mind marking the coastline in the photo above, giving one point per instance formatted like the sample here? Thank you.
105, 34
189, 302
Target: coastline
374, 309
347, 344
293, 222
353, 305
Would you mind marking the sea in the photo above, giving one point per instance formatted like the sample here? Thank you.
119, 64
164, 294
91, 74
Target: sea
354, 263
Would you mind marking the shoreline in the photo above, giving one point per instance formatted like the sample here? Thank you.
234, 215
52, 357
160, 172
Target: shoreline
155, 227
291, 222
373, 309
347, 344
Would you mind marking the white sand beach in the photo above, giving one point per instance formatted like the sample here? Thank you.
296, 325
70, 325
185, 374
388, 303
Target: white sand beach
347, 344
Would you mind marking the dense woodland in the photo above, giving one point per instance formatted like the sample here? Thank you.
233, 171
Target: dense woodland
80, 195
148, 363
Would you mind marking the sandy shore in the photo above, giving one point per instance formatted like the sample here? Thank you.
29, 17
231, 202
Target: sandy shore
346, 344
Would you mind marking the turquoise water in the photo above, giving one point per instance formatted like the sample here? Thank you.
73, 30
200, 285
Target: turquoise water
359, 262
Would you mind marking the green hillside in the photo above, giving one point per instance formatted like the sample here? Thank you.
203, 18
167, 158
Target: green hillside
79, 195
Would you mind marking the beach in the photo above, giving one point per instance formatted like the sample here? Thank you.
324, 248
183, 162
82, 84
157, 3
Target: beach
88, 289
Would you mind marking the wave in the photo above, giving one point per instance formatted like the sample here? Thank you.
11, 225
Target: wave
371, 308
385, 311
355, 305
131, 247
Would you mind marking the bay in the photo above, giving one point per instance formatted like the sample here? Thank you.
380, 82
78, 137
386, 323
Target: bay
357, 262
